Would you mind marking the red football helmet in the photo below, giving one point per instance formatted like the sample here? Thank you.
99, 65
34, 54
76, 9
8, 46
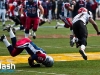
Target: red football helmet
82, 9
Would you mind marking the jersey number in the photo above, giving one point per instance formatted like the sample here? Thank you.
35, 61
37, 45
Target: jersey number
31, 10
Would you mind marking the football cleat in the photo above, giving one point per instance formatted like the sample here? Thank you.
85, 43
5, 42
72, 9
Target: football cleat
43, 22
2, 37
83, 54
34, 35
8, 29
71, 41
3, 25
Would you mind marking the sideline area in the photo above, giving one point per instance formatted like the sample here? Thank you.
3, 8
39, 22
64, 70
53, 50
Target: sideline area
57, 57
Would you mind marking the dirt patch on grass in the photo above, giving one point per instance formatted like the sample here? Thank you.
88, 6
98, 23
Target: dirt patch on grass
53, 36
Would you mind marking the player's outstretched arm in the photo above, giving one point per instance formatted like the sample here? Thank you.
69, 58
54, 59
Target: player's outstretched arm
94, 25
31, 63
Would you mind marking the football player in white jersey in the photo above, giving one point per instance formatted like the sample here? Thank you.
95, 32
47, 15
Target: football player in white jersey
3, 11
80, 30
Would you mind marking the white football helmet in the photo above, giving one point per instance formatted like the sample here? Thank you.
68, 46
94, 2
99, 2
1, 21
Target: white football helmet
48, 61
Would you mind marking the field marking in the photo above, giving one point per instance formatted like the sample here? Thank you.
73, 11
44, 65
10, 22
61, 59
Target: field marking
57, 57
39, 72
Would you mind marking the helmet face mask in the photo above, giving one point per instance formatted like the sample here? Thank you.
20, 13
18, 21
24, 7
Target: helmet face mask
48, 61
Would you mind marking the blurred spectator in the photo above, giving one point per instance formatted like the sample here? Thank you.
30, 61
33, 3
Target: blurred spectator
53, 8
49, 4
98, 11
81, 3
44, 4
94, 7
88, 5
74, 12
59, 7
2, 11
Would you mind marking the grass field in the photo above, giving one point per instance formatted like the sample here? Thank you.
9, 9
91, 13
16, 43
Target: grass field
56, 41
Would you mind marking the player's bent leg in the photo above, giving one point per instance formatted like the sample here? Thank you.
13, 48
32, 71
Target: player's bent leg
16, 51
6, 42
8, 28
71, 41
82, 49
83, 54
26, 33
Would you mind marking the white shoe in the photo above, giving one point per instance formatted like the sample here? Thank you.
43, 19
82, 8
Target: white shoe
57, 24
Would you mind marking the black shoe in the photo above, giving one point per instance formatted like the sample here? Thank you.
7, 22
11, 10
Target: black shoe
71, 42
34, 37
83, 54
3, 25
2, 37
43, 22
7, 28
56, 27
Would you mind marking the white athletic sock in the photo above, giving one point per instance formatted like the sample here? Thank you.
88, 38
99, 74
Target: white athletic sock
11, 33
17, 28
60, 24
73, 39
83, 47
34, 34
26, 35
6, 42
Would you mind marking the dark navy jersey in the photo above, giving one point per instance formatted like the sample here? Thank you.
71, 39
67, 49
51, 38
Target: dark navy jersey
31, 9
49, 5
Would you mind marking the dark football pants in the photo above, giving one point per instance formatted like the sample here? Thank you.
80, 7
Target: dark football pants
80, 31
12, 48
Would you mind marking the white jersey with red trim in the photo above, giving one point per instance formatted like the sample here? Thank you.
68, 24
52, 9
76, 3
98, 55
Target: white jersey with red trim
84, 16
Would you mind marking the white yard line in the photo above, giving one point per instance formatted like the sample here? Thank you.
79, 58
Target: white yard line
45, 73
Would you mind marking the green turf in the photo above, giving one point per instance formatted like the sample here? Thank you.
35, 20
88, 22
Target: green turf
58, 45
